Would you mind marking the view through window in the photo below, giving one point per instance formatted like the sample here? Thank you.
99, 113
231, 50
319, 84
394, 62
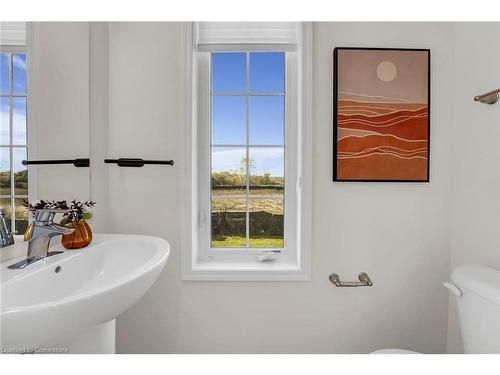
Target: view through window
247, 149
13, 139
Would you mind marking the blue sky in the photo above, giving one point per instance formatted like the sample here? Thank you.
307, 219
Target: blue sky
19, 109
19, 73
19, 154
265, 111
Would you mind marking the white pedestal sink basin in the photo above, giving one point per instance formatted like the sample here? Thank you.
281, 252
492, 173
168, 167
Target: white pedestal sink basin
68, 302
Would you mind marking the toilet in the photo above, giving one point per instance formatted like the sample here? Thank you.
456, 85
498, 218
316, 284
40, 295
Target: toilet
477, 289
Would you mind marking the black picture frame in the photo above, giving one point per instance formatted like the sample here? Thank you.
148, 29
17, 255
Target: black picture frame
335, 112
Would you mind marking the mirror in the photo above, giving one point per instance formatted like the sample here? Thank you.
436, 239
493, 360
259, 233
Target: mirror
45, 114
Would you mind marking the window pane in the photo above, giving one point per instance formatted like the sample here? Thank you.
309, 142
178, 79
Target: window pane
229, 171
266, 223
19, 73
21, 216
5, 171
266, 171
20, 171
229, 120
19, 121
267, 120
229, 72
228, 221
5, 203
4, 121
267, 72
4, 73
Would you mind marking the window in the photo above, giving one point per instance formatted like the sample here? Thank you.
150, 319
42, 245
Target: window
247, 149
248, 189
13, 136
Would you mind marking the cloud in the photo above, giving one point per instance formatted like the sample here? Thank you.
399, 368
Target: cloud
19, 131
226, 159
265, 160
19, 61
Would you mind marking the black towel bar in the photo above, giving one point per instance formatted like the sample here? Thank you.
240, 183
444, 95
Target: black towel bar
76, 162
133, 162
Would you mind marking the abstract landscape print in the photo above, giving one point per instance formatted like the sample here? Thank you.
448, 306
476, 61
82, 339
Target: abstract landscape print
381, 114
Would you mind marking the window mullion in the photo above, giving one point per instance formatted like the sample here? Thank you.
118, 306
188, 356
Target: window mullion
247, 162
11, 95
11, 142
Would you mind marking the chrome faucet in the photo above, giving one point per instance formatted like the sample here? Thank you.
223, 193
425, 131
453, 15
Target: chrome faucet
43, 230
6, 236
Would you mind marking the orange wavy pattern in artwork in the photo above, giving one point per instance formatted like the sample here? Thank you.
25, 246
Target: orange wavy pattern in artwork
382, 141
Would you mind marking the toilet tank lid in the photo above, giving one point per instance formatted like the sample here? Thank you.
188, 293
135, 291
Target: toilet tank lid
479, 279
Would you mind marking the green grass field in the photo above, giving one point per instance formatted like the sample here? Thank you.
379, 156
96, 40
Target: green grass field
234, 241
261, 199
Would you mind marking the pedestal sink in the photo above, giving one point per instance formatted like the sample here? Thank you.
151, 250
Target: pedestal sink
69, 302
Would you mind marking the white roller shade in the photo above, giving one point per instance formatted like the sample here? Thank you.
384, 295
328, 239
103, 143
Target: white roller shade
13, 33
265, 36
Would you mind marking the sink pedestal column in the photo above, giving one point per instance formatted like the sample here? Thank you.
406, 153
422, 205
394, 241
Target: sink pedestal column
99, 339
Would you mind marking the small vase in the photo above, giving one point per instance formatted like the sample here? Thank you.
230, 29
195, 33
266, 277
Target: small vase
27, 234
81, 237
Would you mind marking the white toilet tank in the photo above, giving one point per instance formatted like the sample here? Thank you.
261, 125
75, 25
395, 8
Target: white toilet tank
479, 307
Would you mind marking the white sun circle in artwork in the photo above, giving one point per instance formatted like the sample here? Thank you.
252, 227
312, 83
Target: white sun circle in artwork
386, 71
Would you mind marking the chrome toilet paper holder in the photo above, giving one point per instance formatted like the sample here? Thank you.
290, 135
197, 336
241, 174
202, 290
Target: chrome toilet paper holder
364, 280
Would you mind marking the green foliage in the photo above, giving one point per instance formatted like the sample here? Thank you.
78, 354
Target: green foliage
5, 182
20, 182
228, 179
233, 178
266, 180
238, 178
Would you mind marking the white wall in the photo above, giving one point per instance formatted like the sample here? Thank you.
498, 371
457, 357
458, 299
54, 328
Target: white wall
98, 86
475, 236
398, 233
60, 119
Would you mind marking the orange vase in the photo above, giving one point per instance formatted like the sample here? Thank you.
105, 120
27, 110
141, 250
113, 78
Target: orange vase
81, 237
27, 234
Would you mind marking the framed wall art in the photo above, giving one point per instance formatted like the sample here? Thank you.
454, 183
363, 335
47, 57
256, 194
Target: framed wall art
381, 114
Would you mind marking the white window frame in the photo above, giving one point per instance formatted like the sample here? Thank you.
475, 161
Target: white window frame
199, 261
204, 188
26, 41
13, 49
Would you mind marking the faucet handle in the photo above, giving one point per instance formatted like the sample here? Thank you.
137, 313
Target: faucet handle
47, 214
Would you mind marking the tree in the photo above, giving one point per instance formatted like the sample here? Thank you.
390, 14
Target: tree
243, 166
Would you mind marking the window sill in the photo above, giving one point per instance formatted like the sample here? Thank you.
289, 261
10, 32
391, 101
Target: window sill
250, 271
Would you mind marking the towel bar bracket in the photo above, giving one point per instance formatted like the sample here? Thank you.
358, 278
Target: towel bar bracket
488, 98
364, 280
